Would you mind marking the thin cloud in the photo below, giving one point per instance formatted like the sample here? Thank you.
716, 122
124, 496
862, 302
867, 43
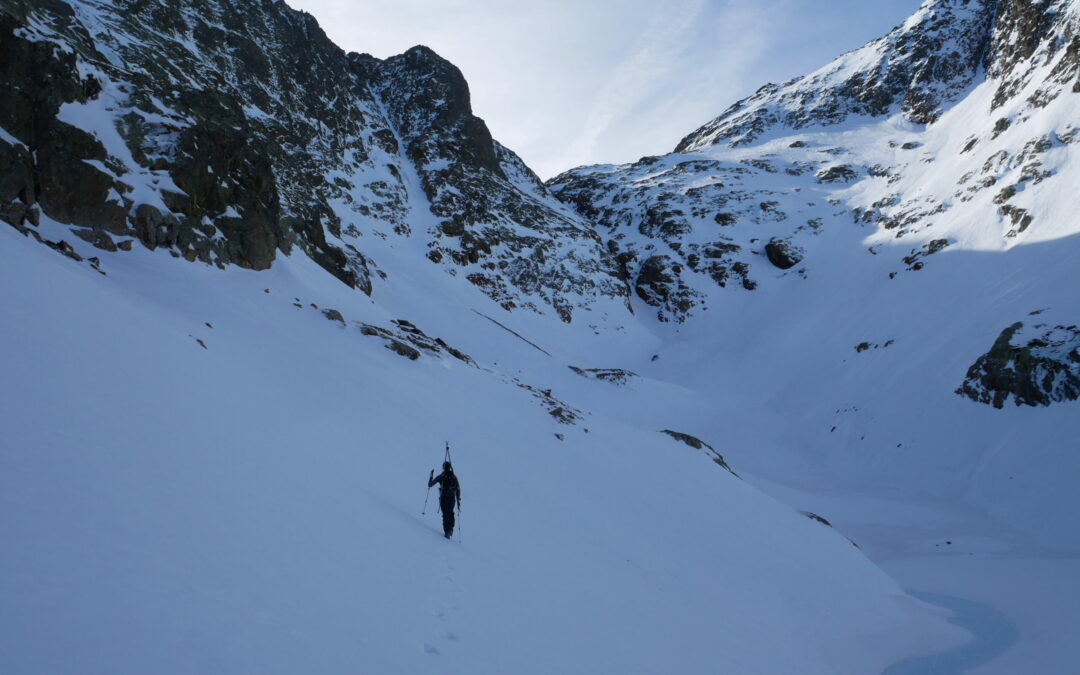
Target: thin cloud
652, 60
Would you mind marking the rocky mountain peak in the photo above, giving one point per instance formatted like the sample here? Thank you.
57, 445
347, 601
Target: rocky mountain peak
921, 66
427, 97
926, 62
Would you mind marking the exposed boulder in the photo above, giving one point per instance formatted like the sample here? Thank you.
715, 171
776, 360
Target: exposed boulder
1037, 366
837, 174
783, 254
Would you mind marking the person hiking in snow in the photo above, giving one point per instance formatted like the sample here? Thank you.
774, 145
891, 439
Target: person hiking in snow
449, 494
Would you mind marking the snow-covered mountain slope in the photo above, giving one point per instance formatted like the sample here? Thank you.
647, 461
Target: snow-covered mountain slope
230, 131
207, 470
993, 171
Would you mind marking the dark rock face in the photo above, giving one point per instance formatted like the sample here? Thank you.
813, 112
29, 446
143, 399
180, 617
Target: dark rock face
1036, 369
181, 86
405, 339
46, 162
916, 259
228, 131
658, 283
1026, 31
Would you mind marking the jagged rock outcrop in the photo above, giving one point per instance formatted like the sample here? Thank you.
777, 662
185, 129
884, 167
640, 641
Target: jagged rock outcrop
1036, 366
229, 131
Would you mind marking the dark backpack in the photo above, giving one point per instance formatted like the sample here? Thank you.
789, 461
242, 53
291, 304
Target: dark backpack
449, 487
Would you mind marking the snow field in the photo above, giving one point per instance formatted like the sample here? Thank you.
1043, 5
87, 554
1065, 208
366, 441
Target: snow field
254, 506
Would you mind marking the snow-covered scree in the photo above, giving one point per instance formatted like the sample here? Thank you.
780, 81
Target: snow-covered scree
200, 475
856, 290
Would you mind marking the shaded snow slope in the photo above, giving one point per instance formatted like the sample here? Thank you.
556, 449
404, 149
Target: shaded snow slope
199, 474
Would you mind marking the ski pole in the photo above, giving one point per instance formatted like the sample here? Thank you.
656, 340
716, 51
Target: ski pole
426, 496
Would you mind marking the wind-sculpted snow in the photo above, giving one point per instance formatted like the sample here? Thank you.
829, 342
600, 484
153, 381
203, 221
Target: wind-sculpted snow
229, 131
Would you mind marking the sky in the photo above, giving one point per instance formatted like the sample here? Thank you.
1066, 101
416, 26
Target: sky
565, 83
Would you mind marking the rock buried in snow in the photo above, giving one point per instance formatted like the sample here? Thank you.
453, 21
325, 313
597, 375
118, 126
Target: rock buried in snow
813, 516
409, 341
612, 375
698, 444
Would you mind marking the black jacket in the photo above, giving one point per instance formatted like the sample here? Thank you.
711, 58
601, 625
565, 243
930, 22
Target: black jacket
449, 488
